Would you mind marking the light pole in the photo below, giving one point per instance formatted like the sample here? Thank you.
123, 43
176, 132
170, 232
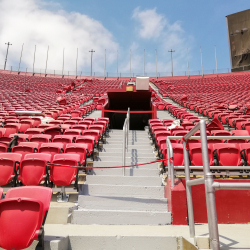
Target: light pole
130, 64
91, 51
105, 64
76, 60
47, 61
20, 60
34, 61
171, 51
144, 64
156, 61
216, 61
187, 63
117, 63
63, 63
8, 45
201, 63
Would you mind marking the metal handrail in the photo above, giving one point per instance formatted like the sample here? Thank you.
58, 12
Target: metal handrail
210, 185
125, 140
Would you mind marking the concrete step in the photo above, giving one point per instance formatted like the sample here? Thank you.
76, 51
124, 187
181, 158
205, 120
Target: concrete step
128, 171
129, 159
120, 217
156, 192
147, 146
129, 154
123, 180
119, 151
122, 203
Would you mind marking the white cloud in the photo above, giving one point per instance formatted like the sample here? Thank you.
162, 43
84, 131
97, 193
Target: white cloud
155, 28
151, 24
34, 22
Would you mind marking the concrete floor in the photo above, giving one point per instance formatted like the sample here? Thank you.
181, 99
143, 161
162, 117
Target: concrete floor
232, 237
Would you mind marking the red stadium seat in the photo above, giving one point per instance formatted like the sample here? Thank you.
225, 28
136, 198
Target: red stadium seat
24, 148
77, 148
29, 206
196, 154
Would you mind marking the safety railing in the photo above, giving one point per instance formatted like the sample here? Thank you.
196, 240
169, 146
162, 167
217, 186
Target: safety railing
125, 139
210, 185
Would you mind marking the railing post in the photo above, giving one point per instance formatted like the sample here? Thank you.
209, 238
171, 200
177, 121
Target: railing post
124, 148
210, 191
189, 193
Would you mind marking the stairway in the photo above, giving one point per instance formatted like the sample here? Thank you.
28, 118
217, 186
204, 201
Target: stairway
110, 198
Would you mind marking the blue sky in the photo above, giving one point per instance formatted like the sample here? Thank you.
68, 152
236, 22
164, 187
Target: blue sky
117, 25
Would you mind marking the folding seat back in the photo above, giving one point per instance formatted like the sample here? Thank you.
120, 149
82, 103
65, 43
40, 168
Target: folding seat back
56, 122
28, 213
64, 139
238, 133
88, 142
97, 127
7, 121
220, 133
245, 152
198, 133
161, 134
73, 132
25, 148
70, 122
154, 121
33, 169
25, 124
63, 176
180, 133
167, 121
153, 125
52, 148
77, 148
87, 123
33, 131
11, 128
176, 129
228, 154
40, 138
101, 123
8, 165
53, 131
30, 226
89, 119
93, 133
81, 127
159, 129
195, 154
178, 158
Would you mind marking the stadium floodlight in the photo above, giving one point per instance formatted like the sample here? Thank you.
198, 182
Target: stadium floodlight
8, 44
171, 51
91, 51
20, 60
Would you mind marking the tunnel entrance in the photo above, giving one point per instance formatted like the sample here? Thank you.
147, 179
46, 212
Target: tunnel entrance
119, 100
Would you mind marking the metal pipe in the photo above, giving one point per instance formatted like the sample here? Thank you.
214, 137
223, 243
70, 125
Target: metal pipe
34, 60
20, 58
187, 136
192, 131
198, 181
76, 60
217, 167
231, 186
130, 64
63, 63
201, 62
123, 149
47, 61
187, 63
105, 64
189, 193
216, 61
156, 61
170, 164
211, 212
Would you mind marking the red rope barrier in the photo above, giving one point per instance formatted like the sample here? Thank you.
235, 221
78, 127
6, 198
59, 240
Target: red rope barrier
129, 166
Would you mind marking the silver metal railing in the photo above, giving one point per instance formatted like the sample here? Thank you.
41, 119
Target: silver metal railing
125, 140
210, 185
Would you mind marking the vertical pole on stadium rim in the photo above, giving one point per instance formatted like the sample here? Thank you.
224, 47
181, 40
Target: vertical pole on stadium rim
117, 64
34, 61
187, 63
216, 61
201, 62
156, 61
130, 65
144, 64
63, 63
20, 60
105, 64
8, 45
91, 51
76, 60
47, 61
171, 51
